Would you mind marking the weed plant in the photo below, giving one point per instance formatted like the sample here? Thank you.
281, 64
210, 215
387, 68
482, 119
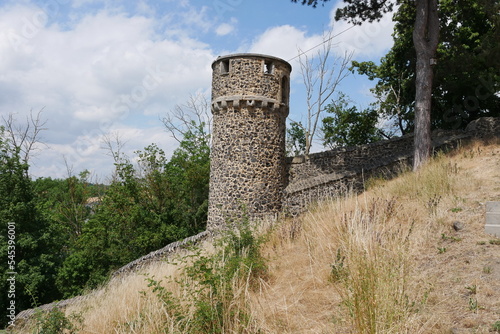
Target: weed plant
56, 322
214, 286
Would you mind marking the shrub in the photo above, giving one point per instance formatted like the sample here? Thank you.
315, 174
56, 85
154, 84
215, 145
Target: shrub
56, 322
213, 286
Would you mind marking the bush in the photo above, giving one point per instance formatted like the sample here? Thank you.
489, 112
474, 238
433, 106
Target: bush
213, 286
56, 322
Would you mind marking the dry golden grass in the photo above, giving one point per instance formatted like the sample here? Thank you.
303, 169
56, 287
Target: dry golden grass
418, 274
385, 261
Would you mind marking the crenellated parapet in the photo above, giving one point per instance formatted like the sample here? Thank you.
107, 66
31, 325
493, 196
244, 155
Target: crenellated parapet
227, 103
247, 74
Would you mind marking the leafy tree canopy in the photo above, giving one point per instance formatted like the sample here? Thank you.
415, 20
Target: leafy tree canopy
347, 126
147, 206
32, 255
295, 139
312, 3
466, 74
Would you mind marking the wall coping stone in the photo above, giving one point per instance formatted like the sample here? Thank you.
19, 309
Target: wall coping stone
492, 225
251, 55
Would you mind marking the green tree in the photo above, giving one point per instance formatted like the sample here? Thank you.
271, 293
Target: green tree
32, 254
132, 219
65, 202
146, 207
425, 41
468, 69
347, 126
189, 172
295, 139
467, 75
148, 204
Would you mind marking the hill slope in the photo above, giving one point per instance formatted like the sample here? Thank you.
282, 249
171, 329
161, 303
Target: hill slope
407, 256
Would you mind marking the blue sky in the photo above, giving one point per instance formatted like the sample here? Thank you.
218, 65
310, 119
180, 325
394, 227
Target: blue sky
117, 67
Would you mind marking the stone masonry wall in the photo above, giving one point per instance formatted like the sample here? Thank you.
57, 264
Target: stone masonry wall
332, 173
248, 164
335, 172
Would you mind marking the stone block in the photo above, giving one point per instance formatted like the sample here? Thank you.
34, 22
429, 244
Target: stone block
492, 218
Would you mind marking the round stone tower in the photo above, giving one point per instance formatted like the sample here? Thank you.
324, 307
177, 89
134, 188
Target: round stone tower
250, 95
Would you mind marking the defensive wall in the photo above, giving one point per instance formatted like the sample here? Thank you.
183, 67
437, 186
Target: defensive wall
331, 173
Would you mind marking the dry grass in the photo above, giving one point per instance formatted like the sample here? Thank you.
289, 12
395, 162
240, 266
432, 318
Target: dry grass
385, 261
400, 266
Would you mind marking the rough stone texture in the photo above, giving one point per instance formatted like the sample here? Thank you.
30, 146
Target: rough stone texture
484, 127
162, 253
332, 173
26, 314
458, 226
250, 96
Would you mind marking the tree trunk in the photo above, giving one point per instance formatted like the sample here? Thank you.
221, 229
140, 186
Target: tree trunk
425, 39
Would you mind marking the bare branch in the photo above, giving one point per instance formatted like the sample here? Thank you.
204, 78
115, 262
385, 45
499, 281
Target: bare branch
195, 112
321, 76
113, 144
25, 137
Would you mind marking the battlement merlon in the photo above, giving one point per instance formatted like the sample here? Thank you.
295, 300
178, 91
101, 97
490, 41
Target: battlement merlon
248, 74
251, 55
242, 101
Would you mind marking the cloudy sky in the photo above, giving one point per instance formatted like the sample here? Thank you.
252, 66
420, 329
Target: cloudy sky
100, 67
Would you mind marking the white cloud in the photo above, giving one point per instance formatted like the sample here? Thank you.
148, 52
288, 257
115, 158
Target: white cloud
109, 71
367, 40
226, 28
285, 42
88, 151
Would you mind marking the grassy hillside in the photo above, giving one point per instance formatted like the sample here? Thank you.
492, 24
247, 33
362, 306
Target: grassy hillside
385, 261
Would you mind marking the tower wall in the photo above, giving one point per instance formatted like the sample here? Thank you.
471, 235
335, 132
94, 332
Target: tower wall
250, 95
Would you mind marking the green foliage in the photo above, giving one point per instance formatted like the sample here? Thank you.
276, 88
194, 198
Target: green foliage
296, 139
451, 238
466, 75
313, 3
473, 305
496, 326
189, 172
338, 272
145, 208
56, 322
441, 250
358, 11
71, 233
347, 126
472, 289
64, 202
33, 256
212, 284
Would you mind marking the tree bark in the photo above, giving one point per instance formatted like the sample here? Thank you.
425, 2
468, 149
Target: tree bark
425, 39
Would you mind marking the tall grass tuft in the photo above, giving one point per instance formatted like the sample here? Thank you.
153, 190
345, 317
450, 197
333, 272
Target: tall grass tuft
428, 184
375, 268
